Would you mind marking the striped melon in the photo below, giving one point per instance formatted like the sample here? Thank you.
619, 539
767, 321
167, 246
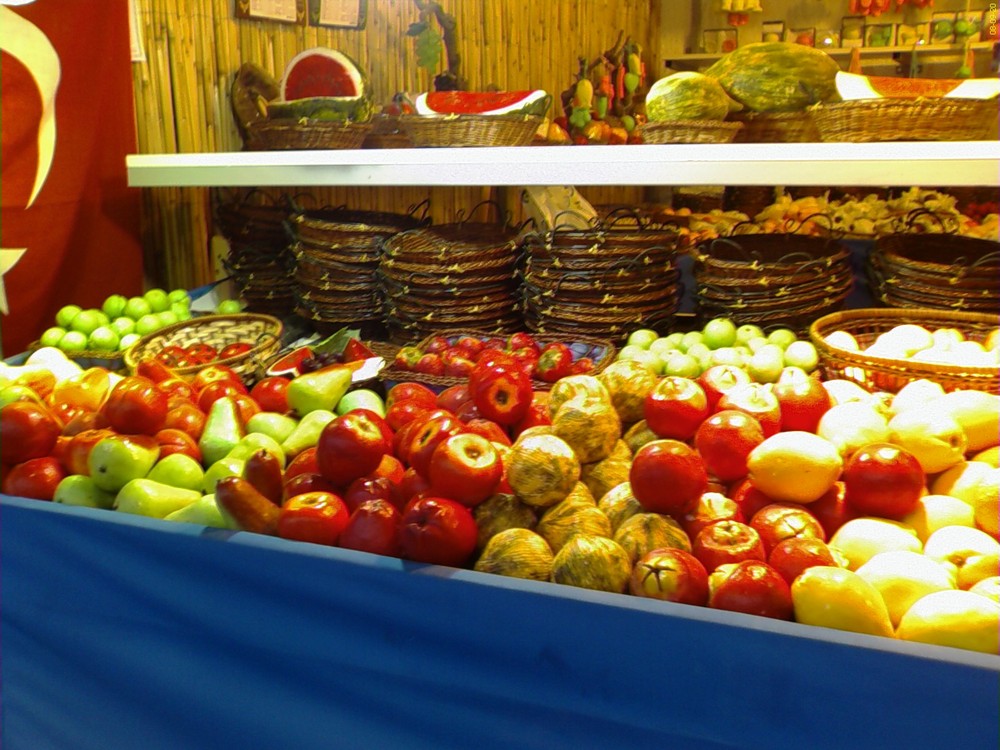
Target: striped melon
688, 96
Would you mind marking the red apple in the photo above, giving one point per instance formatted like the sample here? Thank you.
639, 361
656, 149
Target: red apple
401, 413
370, 488
779, 521
672, 575
437, 345
316, 517
373, 527
752, 587
724, 441
675, 408
468, 411
668, 476
802, 400
415, 392
749, 498
172, 440
87, 420
185, 416
136, 406
452, 397
881, 479
425, 440
35, 478
795, 554
719, 379
465, 468
469, 346
438, 531
832, 510
538, 415
430, 364
500, 389
391, 468
27, 430
351, 446
76, 453
757, 400
727, 542
711, 507
306, 482
303, 463
412, 485
456, 364
489, 430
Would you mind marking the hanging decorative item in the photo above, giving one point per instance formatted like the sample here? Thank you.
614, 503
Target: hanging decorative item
429, 44
738, 6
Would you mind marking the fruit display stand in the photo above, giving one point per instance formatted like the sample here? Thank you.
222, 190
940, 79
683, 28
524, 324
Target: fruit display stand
120, 630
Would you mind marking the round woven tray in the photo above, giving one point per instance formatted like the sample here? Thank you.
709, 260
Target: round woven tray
307, 135
776, 127
750, 256
469, 130
262, 331
689, 131
937, 119
885, 374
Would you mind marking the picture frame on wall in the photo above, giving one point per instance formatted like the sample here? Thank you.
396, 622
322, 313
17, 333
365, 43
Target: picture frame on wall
282, 11
340, 14
879, 34
943, 28
805, 36
772, 31
852, 31
720, 41
968, 26
909, 35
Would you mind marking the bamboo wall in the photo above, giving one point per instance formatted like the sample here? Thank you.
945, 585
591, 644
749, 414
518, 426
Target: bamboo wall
194, 48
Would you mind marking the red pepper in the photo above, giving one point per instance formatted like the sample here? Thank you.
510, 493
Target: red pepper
554, 362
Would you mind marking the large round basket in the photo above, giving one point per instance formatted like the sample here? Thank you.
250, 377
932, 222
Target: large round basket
906, 120
689, 131
890, 375
470, 130
262, 332
290, 134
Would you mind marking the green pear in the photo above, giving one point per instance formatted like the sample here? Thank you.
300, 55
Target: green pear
17, 392
321, 389
77, 489
307, 432
117, 460
144, 497
223, 430
255, 441
178, 470
224, 467
203, 512
361, 398
278, 426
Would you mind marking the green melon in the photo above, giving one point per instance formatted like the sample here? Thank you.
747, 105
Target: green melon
688, 96
777, 76
592, 562
518, 553
323, 84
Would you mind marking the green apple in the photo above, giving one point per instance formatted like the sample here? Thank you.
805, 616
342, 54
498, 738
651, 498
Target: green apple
224, 467
646, 357
748, 331
642, 337
229, 307
183, 312
117, 460
223, 430
277, 425
253, 442
127, 340
180, 296
73, 341
662, 348
147, 324
718, 333
123, 325
204, 512
307, 431
103, 339
690, 338
782, 337
802, 354
728, 355
178, 470
145, 497
64, 318
136, 307
321, 389
157, 299
114, 306
77, 489
756, 343
167, 318
680, 364
86, 321
674, 339
766, 364
361, 398
52, 336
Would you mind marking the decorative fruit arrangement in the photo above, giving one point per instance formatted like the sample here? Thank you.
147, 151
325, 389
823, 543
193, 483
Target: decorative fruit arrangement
916, 343
794, 499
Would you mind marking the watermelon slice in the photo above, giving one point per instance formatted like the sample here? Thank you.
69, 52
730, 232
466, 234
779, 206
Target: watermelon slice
852, 86
535, 102
325, 84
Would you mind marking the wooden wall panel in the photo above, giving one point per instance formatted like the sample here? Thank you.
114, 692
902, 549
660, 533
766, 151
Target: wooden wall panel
194, 48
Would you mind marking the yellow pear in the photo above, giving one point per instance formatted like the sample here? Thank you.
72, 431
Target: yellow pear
843, 391
837, 598
934, 512
903, 577
916, 393
988, 587
977, 412
986, 508
960, 619
963, 480
860, 539
853, 424
794, 466
934, 437
978, 568
989, 456
959, 544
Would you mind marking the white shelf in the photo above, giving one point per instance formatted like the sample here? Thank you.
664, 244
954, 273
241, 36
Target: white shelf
876, 164
928, 50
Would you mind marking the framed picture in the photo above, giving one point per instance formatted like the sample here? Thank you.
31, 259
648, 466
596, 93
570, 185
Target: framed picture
827, 39
805, 36
908, 35
943, 28
772, 31
720, 41
852, 31
342, 14
283, 11
968, 25
879, 34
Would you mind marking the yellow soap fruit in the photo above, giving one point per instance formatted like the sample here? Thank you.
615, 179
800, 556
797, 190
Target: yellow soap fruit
794, 466
519, 553
958, 545
907, 338
542, 469
860, 539
978, 414
934, 437
914, 394
988, 587
989, 456
902, 578
842, 340
963, 480
853, 424
628, 382
978, 568
575, 386
589, 425
986, 508
960, 619
843, 391
837, 598
638, 435
619, 504
934, 512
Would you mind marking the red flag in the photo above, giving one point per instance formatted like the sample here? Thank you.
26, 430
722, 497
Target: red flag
68, 124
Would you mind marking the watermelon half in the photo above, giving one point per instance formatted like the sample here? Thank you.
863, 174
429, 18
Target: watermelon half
535, 103
852, 86
324, 84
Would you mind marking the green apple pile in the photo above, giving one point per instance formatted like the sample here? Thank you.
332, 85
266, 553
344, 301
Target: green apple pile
721, 342
118, 323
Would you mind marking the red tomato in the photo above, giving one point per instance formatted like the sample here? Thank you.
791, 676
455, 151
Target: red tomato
136, 406
212, 392
234, 349
271, 394
36, 478
27, 430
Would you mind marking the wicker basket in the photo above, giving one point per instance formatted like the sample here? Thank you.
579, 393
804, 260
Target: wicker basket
263, 331
470, 130
776, 127
906, 120
689, 131
288, 134
890, 375
600, 350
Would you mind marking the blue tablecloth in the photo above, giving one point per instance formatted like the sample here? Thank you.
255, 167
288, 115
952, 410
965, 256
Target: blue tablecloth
122, 632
